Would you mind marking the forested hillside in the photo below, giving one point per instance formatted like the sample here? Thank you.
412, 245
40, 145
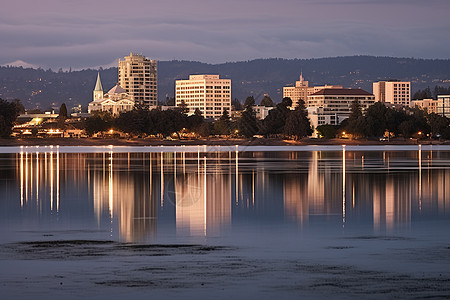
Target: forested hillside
46, 88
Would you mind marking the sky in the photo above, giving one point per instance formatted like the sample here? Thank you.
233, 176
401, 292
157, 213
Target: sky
86, 34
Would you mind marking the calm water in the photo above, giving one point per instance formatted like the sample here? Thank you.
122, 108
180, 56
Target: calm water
224, 222
220, 197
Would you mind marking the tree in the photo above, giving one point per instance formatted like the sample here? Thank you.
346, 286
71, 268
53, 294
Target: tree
354, 123
247, 123
8, 115
98, 122
328, 131
276, 119
183, 107
266, 101
195, 121
438, 124
63, 111
136, 122
19, 106
236, 104
250, 101
375, 120
223, 125
297, 122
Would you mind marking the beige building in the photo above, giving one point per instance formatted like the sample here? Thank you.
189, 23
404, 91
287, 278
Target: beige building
443, 105
302, 90
262, 112
138, 76
394, 92
332, 106
115, 101
429, 105
210, 94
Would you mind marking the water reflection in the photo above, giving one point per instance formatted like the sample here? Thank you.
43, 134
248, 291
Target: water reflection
130, 195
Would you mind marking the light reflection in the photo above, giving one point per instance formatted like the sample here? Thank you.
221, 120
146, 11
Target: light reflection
343, 185
197, 191
420, 177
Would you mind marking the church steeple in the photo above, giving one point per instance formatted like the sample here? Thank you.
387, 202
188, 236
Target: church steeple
98, 90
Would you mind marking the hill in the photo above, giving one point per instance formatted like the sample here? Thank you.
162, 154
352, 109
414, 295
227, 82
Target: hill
46, 88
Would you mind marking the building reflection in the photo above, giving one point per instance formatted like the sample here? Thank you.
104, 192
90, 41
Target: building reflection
202, 193
202, 196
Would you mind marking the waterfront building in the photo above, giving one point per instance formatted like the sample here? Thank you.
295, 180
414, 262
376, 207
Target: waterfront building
394, 92
443, 105
429, 105
210, 94
116, 101
138, 77
302, 90
261, 112
332, 106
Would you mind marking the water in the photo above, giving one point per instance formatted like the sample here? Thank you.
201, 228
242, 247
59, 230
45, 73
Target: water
351, 209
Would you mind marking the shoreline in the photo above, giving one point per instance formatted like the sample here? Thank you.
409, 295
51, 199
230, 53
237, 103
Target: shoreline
210, 141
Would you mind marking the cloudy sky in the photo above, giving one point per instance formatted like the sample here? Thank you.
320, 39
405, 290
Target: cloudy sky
82, 33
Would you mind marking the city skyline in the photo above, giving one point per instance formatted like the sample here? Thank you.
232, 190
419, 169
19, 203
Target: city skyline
80, 34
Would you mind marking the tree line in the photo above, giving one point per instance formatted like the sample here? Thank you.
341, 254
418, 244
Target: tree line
281, 121
426, 93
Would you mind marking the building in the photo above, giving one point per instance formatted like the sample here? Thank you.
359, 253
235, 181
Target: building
332, 106
138, 76
116, 101
429, 105
261, 111
443, 105
394, 92
302, 90
210, 94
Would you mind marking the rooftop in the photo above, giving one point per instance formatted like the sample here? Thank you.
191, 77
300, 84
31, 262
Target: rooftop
342, 92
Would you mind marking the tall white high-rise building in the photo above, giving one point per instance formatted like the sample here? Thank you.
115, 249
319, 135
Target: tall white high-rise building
210, 94
138, 76
394, 92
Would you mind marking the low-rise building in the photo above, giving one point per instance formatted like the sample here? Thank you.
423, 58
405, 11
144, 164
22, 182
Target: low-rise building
429, 105
332, 106
262, 111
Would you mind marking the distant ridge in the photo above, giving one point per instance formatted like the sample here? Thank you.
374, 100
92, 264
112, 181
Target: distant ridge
46, 88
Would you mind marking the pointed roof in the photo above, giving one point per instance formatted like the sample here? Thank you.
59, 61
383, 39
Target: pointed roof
98, 85
117, 89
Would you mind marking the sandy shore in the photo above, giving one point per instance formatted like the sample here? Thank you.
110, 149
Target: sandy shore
211, 141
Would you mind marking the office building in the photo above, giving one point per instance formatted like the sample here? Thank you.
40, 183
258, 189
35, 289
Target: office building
302, 90
429, 105
138, 76
332, 106
443, 105
393, 92
208, 93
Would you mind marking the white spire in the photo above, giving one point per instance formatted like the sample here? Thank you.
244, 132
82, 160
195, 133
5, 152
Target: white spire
98, 85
